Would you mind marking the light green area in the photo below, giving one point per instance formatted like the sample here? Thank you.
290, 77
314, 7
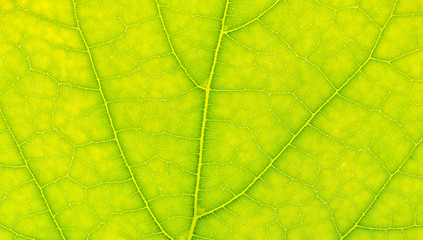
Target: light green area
206, 119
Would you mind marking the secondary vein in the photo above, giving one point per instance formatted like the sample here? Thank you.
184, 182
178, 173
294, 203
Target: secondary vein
173, 50
12, 231
116, 139
254, 19
381, 190
204, 121
32, 174
307, 123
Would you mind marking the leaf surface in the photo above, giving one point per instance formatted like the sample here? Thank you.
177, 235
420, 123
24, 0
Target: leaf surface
241, 119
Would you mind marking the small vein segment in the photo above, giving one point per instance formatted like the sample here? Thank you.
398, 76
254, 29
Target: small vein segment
381, 190
32, 175
255, 19
12, 231
369, 58
173, 50
203, 124
116, 139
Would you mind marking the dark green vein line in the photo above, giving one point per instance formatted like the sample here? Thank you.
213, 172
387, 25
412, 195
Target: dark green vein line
306, 124
204, 122
32, 174
116, 139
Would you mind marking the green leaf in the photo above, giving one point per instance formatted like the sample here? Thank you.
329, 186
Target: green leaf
194, 119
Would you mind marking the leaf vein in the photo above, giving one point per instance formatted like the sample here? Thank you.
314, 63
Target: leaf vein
255, 19
204, 121
13, 231
116, 139
173, 49
381, 190
369, 58
32, 175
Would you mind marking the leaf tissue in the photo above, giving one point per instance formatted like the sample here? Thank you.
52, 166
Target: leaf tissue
211, 119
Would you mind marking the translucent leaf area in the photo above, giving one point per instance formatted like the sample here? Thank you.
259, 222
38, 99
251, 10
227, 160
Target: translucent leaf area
211, 119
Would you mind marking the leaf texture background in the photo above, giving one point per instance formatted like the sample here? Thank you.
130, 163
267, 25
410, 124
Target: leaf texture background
211, 119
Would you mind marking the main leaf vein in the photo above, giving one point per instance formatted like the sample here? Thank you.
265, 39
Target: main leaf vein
369, 58
204, 121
